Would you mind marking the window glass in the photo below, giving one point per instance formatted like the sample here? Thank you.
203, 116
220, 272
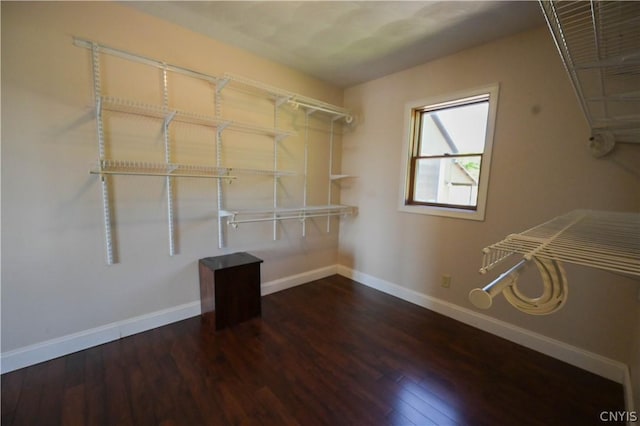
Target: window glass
455, 130
447, 181
449, 145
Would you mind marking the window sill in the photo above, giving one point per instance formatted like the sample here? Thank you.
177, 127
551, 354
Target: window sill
443, 212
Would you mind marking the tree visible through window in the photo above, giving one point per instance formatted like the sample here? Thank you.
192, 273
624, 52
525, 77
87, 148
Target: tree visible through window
449, 152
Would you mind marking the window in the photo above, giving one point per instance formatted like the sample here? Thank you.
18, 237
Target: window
448, 153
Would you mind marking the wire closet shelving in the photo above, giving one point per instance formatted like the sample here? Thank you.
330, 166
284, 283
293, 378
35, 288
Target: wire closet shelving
599, 42
603, 240
105, 167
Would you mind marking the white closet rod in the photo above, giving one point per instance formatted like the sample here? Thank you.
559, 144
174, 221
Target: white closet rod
300, 217
483, 297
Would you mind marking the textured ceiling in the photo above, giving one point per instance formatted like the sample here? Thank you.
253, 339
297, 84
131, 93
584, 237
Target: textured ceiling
349, 42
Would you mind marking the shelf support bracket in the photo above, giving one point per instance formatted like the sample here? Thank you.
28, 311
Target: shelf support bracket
281, 100
167, 157
169, 118
221, 84
104, 181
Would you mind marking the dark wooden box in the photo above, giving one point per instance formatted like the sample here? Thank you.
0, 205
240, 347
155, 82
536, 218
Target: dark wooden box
230, 288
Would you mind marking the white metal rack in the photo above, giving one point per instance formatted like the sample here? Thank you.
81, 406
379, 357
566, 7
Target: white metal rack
276, 214
144, 168
237, 217
169, 169
603, 240
286, 97
134, 107
599, 42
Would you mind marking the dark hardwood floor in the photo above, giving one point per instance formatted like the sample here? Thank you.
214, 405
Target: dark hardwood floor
331, 352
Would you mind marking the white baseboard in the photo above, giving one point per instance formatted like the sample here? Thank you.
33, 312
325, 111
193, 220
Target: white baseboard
54, 348
589, 361
298, 279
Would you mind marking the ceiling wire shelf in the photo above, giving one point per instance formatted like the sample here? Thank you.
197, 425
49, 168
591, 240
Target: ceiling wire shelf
604, 240
599, 42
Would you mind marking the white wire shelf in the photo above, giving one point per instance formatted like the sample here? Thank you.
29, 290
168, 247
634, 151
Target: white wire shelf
609, 241
603, 240
168, 169
145, 168
236, 217
128, 106
293, 99
101, 48
599, 42
285, 96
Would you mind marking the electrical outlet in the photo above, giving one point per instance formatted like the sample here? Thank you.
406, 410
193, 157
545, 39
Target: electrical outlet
445, 281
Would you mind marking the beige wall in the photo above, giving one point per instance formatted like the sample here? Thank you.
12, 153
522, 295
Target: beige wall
55, 282
541, 168
54, 278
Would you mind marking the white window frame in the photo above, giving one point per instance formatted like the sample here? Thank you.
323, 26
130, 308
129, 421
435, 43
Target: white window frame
483, 184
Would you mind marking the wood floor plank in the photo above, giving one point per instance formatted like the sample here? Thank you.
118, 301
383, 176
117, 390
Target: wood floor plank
117, 394
73, 406
429, 403
11, 388
276, 408
28, 406
331, 352
94, 387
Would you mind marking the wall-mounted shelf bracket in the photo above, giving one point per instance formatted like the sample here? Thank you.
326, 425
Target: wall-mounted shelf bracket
339, 177
169, 118
222, 126
281, 100
99, 106
221, 84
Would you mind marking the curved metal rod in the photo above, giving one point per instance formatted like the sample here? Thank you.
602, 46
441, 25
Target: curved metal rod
555, 289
